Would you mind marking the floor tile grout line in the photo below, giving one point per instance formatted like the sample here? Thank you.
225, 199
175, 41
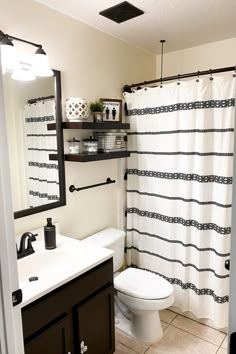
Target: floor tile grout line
174, 318
217, 330
223, 342
219, 349
166, 322
170, 320
194, 335
128, 347
166, 327
201, 323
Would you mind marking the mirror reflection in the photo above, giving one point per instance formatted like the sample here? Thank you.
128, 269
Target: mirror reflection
29, 107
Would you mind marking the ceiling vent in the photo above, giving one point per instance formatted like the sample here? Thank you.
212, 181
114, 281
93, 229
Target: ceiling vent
121, 12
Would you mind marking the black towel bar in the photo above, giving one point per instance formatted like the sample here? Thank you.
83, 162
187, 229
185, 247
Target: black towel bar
72, 188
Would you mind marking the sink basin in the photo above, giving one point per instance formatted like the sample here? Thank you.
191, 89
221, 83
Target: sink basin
38, 264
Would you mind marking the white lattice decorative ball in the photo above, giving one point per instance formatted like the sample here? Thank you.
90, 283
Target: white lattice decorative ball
76, 109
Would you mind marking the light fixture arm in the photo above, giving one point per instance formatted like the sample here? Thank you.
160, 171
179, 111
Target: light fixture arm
4, 35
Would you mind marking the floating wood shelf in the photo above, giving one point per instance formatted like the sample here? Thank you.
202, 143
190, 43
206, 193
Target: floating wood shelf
90, 125
92, 157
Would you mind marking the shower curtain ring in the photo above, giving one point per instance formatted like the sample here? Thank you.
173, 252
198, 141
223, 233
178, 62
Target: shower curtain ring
234, 75
161, 84
198, 76
211, 77
178, 83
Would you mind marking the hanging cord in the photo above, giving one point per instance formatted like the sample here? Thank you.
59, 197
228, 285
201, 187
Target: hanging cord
162, 43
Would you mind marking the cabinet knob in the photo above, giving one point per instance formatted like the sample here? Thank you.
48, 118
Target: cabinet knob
83, 347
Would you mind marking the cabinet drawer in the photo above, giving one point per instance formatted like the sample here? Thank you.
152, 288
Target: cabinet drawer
60, 301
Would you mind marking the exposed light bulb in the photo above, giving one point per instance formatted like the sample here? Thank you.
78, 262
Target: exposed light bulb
40, 64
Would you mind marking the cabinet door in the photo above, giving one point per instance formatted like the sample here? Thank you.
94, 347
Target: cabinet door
54, 340
95, 324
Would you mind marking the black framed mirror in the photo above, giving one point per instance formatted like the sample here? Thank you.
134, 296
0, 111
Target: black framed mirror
38, 184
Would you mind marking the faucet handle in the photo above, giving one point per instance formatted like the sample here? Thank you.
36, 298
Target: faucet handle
33, 237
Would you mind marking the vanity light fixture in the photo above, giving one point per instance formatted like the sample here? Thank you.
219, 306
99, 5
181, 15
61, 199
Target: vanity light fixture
39, 66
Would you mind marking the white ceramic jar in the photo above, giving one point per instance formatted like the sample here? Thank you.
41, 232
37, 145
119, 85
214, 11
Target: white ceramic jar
76, 109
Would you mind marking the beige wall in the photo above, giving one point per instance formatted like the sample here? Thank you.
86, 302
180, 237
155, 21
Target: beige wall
209, 56
92, 65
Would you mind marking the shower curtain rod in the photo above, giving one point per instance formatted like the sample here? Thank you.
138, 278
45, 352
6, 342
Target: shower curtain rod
127, 88
38, 99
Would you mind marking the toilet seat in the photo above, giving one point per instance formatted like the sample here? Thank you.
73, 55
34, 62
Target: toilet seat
142, 284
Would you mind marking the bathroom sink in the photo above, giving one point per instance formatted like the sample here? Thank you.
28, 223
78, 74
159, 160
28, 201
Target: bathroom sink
46, 270
44, 264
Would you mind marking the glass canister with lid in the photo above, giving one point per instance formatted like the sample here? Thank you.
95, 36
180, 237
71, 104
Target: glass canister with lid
90, 146
74, 146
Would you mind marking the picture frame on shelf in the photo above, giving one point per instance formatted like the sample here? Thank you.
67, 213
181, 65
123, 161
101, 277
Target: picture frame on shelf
112, 110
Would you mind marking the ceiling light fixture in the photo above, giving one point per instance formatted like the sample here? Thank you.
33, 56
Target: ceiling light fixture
40, 64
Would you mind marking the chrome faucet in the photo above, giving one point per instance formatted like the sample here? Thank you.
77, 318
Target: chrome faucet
24, 251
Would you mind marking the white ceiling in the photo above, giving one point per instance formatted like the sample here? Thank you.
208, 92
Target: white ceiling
182, 23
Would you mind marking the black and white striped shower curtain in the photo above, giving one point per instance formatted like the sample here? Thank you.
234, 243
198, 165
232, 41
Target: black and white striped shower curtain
42, 173
179, 189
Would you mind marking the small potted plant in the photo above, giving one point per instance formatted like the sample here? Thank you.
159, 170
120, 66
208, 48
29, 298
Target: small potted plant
96, 108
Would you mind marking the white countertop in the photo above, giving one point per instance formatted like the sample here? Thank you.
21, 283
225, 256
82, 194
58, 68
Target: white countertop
56, 267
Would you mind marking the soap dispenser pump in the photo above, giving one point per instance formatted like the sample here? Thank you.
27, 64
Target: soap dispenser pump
50, 235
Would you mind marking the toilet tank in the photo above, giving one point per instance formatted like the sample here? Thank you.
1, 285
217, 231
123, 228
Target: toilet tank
112, 239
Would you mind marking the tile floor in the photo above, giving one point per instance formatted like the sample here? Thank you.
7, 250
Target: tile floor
181, 336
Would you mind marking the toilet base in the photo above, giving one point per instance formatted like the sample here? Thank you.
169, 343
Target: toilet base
134, 327
147, 326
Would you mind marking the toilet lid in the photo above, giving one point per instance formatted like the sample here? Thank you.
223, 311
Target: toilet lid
142, 284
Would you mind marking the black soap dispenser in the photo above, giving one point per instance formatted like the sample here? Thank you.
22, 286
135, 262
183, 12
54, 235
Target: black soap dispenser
50, 235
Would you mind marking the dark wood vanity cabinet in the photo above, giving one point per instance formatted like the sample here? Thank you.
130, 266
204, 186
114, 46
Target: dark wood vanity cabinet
53, 340
95, 323
76, 318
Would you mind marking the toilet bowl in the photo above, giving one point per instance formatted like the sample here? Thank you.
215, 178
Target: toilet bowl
139, 294
144, 294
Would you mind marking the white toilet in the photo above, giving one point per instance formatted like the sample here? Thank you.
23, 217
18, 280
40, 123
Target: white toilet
139, 294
